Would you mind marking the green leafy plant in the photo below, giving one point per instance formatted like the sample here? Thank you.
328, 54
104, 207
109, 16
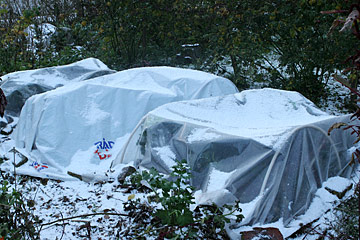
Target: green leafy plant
345, 225
346, 222
16, 219
170, 213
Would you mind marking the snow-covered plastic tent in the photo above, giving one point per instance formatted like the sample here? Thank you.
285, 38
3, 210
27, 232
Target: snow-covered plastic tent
269, 146
74, 128
19, 86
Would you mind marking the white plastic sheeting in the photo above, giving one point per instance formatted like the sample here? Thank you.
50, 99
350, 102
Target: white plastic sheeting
270, 145
74, 128
19, 86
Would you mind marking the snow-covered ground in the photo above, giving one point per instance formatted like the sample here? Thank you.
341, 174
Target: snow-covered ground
56, 200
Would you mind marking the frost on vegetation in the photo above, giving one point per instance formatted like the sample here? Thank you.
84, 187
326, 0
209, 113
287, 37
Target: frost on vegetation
37, 35
172, 214
146, 204
345, 222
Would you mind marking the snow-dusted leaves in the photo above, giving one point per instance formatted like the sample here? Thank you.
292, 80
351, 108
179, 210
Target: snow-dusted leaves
168, 210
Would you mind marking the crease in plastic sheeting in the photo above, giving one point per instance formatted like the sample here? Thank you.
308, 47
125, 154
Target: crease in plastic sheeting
261, 212
265, 204
177, 88
209, 87
219, 100
316, 159
293, 132
96, 62
144, 123
300, 174
244, 182
187, 117
220, 83
98, 73
29, 141
241, 101
205, 87
123, 151
158, 79
311, 110
263, 208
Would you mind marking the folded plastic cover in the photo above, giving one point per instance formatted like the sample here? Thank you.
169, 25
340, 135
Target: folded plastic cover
268, 144
19, 86
79, 127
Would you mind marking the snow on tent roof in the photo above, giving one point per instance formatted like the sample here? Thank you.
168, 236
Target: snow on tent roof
73, 128
19, 86
268, 144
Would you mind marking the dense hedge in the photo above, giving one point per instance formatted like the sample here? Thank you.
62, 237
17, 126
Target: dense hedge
283, 44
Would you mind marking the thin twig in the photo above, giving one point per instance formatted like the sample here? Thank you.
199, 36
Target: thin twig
312, 229
15, 169
316, 232
334, 11
84, 215
62, 234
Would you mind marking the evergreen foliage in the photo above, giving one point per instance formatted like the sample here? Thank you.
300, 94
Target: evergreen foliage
168, 211
17, 220
282, 44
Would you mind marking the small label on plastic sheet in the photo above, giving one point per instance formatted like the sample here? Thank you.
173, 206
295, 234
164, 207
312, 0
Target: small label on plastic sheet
38, 167
102, 149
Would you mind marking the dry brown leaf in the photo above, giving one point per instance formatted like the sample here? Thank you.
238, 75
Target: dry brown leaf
353, 16
336, 126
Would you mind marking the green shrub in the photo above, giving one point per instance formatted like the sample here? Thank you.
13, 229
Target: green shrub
168, 212
16, 219
345, 224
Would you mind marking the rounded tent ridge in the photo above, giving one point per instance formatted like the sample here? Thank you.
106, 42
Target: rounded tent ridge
70, 128
269, 146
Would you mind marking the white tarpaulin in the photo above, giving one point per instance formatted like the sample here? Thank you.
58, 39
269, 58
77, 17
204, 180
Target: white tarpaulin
19, 86
76, 128
265, 144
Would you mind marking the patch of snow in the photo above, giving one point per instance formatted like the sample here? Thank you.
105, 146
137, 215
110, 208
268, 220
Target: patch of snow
217, 179
167, 155
322, 202
201, 134
92, 113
